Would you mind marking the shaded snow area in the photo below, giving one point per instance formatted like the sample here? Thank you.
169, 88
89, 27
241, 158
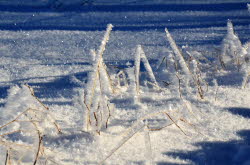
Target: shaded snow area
124, 82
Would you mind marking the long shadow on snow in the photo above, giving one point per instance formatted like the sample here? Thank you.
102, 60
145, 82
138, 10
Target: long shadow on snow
232, 79
73, 21
118, 27
3, 93
245, 112
60, 87
217, 153
125, 8
68, 138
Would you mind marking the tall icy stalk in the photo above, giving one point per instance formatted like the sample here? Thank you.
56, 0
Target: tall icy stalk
133, 85
140, 56
98, 87
246, 66
181, 63
148, 152
232, 50
178, 55
137, 68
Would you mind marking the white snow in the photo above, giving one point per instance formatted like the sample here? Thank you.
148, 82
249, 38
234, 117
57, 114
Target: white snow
102, 104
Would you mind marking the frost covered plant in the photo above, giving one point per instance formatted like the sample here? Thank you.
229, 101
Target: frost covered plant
134, 75
178, 55
141, 57
99, 88
166, 69
246, 66
232, 51
25, 120
197, 76
142, 126
185, 72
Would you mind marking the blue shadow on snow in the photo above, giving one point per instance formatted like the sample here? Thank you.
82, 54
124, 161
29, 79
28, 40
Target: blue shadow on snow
234, 152
125, 8
69, 17
244, 112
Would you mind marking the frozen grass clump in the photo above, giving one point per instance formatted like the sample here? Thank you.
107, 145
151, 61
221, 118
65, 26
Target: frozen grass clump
99, 87
25, 120
187, 72
232, 54
246, 66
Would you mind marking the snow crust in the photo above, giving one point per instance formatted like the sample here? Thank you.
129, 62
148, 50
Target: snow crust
164, 121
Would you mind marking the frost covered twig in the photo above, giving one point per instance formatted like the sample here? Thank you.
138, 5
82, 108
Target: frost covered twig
148, 152
178, 53
7, 158
137, 127
99, 86
46, 108
232, 50
35, 119
174, 122
40, 139
140, 56
189, 75
245, 80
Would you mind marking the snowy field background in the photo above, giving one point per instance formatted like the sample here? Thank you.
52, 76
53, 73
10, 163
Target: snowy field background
47, 45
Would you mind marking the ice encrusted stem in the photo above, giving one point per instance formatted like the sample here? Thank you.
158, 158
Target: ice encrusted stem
245, 79
137, 68
93, 77
138, 126
140, 56
133, 85
147, 65
148, 152
181, 61
98, 80
246, 67
177, 52
232, 50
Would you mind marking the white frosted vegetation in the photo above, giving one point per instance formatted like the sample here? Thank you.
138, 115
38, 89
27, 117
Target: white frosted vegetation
246, 66
26, 117
185, 72
141, 57
232, 50
99, 87
146, 125
178, 55
148, 152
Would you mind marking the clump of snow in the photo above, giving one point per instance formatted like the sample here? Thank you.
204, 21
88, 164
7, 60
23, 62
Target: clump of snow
232, 49
169, 125
24, 121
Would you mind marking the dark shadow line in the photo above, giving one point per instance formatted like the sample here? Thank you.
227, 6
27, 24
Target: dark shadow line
125, 8
10, 27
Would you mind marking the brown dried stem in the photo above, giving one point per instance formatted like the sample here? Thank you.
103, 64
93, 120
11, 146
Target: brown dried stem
175, 123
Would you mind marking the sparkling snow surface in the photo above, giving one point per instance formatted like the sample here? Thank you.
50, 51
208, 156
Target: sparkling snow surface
49, 49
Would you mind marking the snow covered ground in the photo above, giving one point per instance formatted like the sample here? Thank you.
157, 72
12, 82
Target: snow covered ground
49, 48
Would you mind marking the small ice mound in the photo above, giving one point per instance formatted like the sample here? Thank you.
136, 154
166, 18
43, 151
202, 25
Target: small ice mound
232, 49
